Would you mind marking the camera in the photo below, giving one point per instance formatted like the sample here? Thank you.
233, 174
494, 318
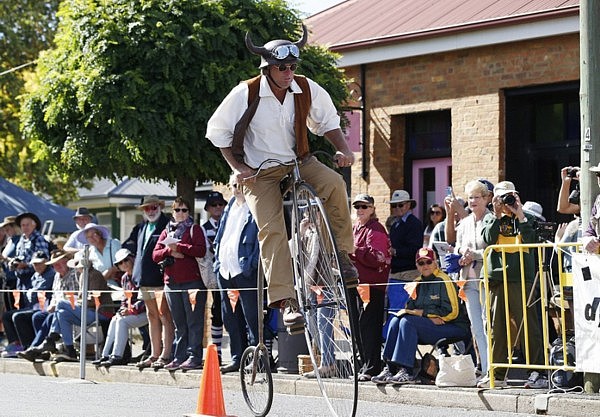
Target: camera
574, 195
508, 199
14, 263
168, 261
545, 231
572, 172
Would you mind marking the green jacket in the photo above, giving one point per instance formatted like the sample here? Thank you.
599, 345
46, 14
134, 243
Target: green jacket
508, 230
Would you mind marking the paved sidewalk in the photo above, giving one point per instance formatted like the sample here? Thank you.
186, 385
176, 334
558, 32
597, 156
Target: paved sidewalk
509, 399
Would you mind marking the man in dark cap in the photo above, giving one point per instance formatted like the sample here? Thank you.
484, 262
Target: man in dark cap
82, 217
215, 204
267, 117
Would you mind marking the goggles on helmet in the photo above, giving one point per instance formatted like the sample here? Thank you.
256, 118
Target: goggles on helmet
283, 51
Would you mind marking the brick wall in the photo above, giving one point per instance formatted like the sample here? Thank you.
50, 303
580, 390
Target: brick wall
470, 84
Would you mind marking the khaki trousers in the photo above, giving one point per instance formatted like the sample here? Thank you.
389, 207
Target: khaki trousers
266, 205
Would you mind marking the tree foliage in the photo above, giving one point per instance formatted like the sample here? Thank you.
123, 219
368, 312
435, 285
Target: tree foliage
130, 85
26, 28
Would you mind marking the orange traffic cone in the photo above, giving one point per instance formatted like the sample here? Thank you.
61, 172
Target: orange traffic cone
210, 396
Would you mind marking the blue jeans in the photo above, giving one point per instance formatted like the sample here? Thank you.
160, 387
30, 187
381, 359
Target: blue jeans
66, 318
242, 325
189, 324
408, 331
41, 321
476, 314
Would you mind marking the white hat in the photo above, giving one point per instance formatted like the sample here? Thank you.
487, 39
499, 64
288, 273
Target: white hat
103, 230
535, 209
121, 255
401, 196
504, 187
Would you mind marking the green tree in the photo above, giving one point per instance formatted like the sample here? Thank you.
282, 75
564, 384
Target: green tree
26, 28
130, 86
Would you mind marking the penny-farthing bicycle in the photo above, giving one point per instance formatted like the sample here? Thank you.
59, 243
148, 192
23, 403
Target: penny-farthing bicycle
323, 301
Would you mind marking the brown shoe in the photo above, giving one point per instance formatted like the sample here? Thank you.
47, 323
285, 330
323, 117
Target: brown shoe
348, 271
291, 316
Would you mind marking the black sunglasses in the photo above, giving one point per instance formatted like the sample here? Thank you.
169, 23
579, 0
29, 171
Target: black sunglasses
361, 206
396, 205
423, 263
183, 210
283, 67
217, 205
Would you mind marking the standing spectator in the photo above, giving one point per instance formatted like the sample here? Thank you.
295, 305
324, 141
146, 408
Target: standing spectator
215, 203
8, 247
65, 280
432, 314
147, 275
102, 251
82, 217
435, 215
470, 245
406, 236
130, 315
236, 260
17, 323
284, 106
372, 259
31, 241
508, 224
184, 242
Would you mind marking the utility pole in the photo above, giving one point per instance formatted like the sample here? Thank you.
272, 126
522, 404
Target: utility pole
589, 15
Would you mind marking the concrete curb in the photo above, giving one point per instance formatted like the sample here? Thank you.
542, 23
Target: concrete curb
514, 400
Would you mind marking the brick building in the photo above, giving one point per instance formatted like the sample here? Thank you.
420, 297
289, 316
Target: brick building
454, 90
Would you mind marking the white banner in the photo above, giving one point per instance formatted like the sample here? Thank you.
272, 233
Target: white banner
586, 297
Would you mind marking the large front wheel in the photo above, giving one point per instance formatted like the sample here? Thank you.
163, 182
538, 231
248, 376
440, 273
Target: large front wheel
324, 303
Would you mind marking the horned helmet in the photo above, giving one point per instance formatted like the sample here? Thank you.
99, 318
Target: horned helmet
278, 51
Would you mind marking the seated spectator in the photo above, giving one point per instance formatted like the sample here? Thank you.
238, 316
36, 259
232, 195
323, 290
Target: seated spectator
82, 217
67, 317
65, 280
435, 215
102, 251
434, 313
17, 323
132, 314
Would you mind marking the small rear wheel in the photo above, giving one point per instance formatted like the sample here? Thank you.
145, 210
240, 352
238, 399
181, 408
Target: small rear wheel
256, 379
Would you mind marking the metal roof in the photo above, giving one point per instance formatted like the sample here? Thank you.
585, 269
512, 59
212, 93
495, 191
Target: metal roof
361, 23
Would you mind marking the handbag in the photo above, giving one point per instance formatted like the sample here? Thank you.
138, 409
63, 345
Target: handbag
206, 267
456, 371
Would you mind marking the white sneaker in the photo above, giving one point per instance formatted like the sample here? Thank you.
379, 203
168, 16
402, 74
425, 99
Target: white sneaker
485, 383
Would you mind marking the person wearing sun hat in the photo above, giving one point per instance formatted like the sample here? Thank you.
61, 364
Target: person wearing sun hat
147, 275
433, 311
372, 259
510, 224
102, 250
30, 242
17, 322
406, 236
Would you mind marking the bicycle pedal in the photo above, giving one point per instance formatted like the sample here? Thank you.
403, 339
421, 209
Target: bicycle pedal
295, 329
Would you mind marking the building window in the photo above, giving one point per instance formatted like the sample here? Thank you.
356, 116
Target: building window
428, 134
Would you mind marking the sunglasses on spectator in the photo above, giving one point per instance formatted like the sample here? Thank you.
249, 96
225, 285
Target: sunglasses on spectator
423, 263
436, 212
397, 205
217, 205
284, 67
361, 206
151, 208
283, 51
183, 210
